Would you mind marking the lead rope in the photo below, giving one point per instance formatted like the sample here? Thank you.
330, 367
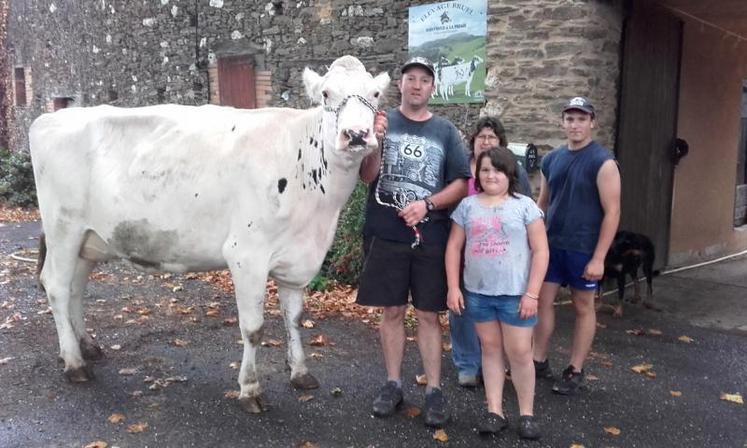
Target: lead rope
401, 200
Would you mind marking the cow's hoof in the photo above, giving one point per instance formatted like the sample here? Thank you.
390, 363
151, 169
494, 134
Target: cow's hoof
79, 375
305, 382
253, 405
91, 352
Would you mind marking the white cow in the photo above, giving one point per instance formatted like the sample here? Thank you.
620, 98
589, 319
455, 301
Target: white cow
181, 188
450, 75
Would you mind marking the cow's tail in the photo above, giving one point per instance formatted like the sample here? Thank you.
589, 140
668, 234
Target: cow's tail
40, 260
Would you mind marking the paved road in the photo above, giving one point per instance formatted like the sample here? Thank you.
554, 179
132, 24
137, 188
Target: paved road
39, 409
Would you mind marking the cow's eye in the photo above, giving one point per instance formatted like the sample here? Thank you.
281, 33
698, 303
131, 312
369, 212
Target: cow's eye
376, 95
325, 94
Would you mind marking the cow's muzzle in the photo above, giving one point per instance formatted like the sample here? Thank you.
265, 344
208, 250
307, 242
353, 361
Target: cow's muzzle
356, 138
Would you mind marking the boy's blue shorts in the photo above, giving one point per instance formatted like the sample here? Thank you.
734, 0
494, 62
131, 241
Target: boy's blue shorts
567, 267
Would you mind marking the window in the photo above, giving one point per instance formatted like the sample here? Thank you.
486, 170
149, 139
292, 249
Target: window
20, 85
740, 203
62, 102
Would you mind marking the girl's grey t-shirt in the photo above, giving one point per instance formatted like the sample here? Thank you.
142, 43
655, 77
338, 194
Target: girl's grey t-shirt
497, 256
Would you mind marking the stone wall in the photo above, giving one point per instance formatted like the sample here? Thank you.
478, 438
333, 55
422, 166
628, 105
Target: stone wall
130, 53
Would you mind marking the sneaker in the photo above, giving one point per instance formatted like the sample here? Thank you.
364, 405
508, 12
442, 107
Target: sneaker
468, 380
435, 409
542, 370
570, 382
528, 427
492, 423
390, 396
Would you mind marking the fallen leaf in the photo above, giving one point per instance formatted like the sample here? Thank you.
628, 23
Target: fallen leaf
650, 374
308, 444
116, 419
305, 397
308, 323
576, 445
177, 288
315, 355
231, 394
6, 360
441, 436
116, 347
642, 368
319, 340
235, 365
271, 343
213, 313
686, 339
136, 393
612, 430
47, 311
230, 321
675, 393
413, 411
636, 332
592, 377
336, 392
421, 380
654, 332
128, 371
446, 346
137, 428
734, 398
180, 342
606, 363
97, 444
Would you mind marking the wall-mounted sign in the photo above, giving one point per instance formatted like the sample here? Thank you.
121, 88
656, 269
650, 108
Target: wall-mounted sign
452, 35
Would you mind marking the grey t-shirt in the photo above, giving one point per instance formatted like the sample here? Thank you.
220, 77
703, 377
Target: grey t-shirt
497, 256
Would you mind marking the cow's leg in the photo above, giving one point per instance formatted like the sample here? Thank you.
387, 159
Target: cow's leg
250, 283
89, 349
291, 300
57, 276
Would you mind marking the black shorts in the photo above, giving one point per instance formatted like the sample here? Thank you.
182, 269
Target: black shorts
394, 271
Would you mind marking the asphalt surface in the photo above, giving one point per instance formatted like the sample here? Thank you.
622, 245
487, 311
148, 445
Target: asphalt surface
178, 388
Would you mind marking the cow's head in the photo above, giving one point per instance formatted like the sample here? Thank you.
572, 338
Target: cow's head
350, 97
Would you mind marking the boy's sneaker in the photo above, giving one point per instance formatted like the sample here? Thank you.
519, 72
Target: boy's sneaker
528, 427
542, 370
570, 382
492, 423
390, 396
435, 409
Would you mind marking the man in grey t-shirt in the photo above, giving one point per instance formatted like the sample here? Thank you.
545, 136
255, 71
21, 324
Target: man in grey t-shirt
421, 172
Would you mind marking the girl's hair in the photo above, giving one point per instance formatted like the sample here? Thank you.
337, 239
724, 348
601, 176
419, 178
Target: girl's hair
492, 123
503, 161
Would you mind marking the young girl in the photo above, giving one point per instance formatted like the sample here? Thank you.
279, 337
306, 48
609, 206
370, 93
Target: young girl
505, 248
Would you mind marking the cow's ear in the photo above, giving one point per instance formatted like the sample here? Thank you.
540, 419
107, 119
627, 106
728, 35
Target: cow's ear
313, 84
381, 82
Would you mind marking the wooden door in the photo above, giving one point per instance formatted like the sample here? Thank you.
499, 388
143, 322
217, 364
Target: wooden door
236, 82
647, 123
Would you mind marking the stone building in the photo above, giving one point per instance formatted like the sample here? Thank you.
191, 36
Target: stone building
655, 69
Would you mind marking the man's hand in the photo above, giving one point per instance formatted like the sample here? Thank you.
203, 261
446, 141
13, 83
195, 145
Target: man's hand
414, 213
594, 270
380, 125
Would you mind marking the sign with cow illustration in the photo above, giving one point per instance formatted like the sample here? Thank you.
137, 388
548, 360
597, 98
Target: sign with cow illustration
452, 35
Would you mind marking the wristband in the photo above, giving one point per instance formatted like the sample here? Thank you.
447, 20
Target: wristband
531, 296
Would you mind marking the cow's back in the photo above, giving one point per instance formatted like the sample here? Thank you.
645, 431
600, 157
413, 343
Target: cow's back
179, 172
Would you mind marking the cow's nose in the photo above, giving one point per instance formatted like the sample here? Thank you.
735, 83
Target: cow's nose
357, 138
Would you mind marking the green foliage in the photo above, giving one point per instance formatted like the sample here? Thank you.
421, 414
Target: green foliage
16, 179
345, 258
